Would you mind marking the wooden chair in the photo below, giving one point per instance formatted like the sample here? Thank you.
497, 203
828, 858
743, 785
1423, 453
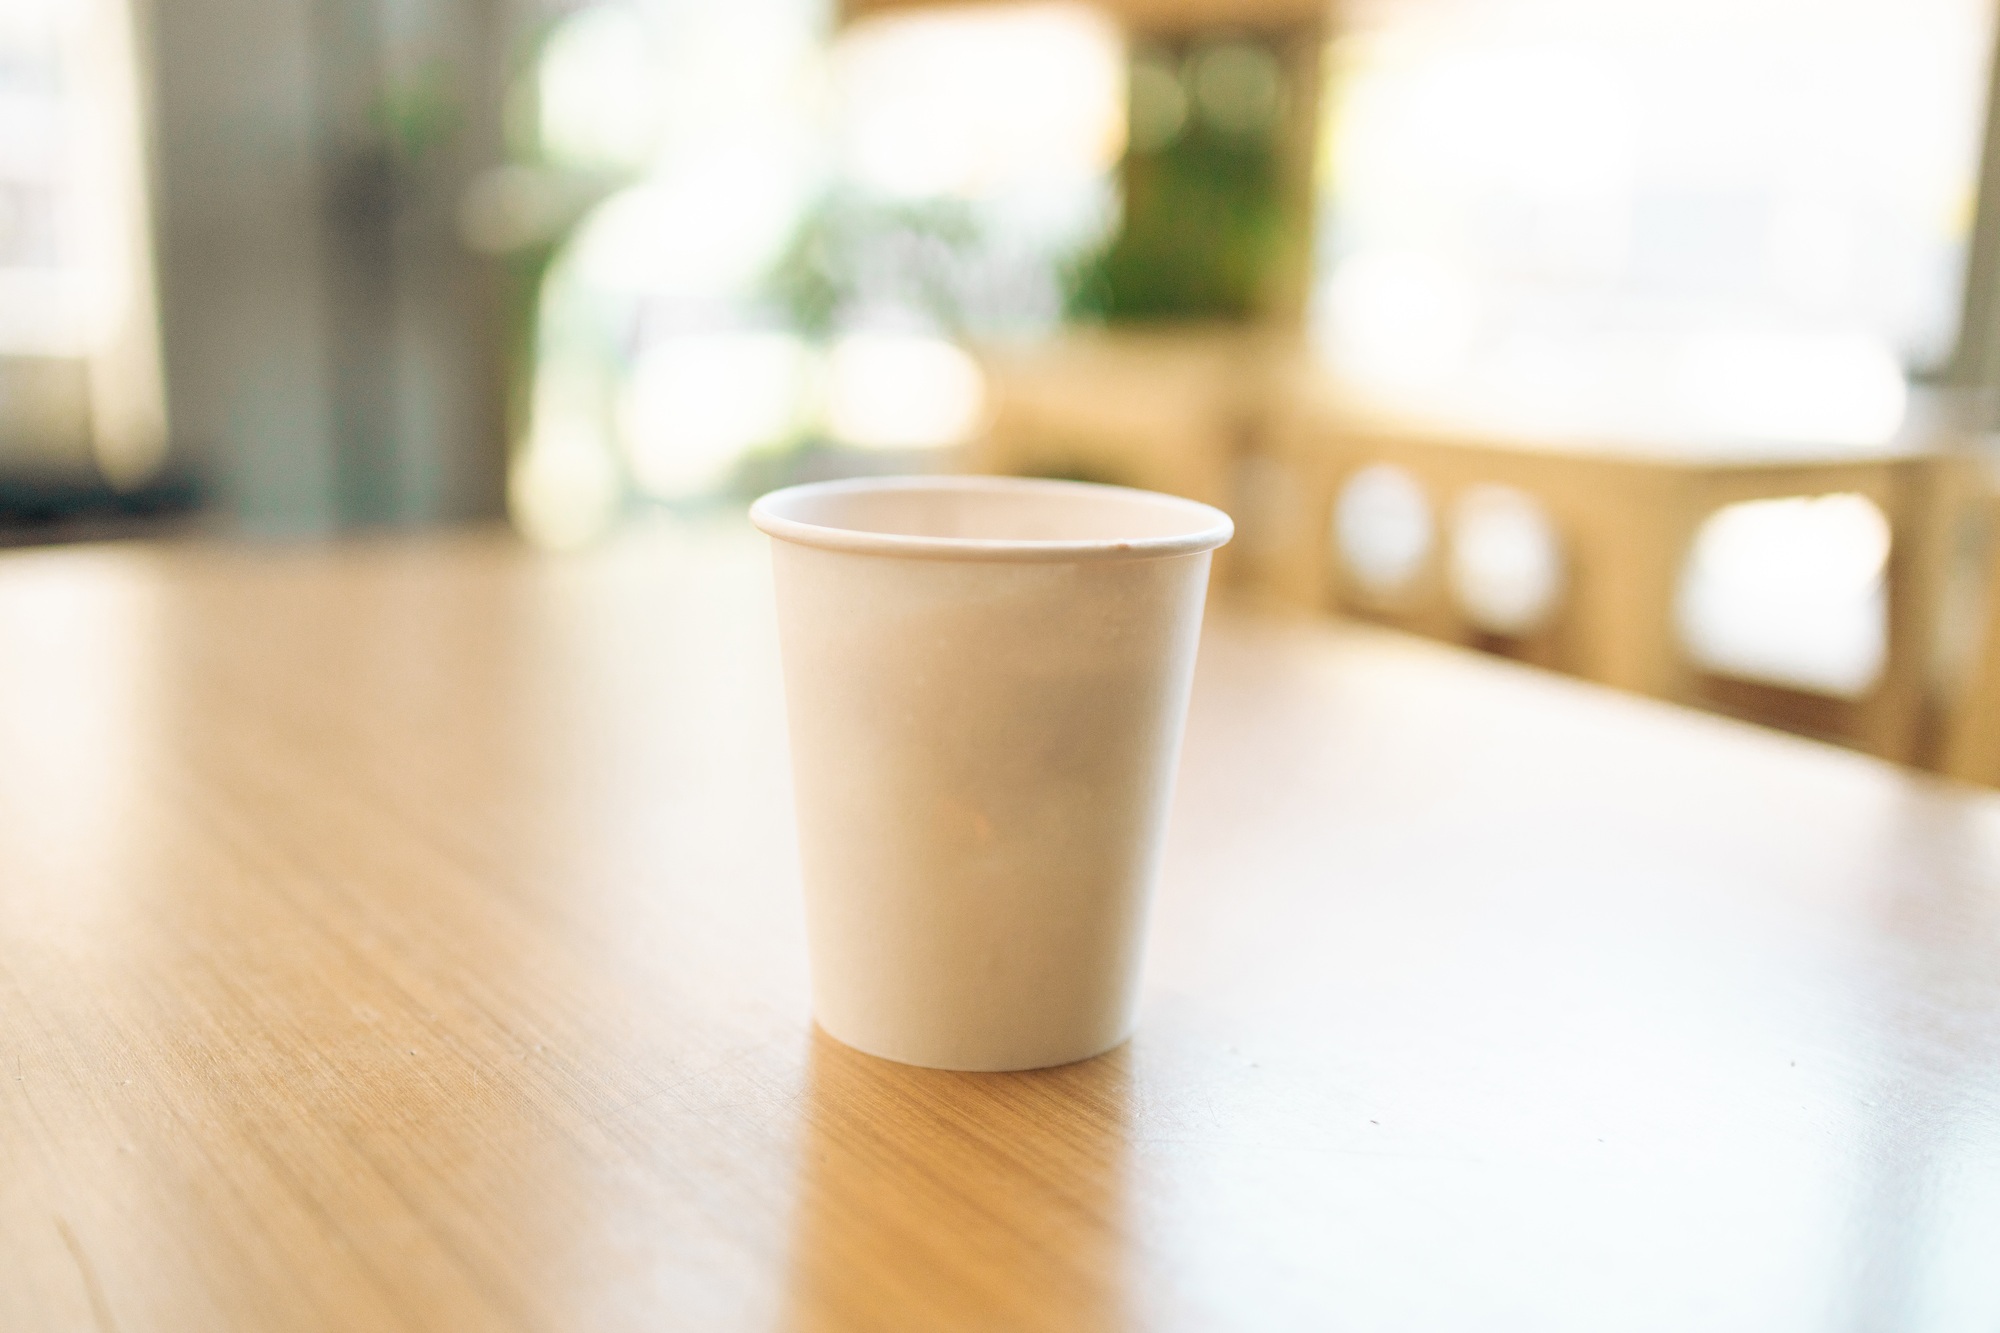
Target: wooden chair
1626, 520
1970, 747
1242, 420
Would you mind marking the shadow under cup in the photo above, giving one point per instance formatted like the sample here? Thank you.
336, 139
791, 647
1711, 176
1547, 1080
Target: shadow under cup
986, 680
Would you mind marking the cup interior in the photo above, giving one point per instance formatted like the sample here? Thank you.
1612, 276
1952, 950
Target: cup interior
991, 517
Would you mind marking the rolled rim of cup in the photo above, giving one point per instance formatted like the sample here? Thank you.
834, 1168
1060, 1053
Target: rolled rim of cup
1027, 519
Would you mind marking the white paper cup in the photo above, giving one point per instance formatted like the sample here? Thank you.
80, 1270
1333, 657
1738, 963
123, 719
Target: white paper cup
986, 679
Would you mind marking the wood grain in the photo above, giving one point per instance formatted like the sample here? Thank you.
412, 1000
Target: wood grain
406, 937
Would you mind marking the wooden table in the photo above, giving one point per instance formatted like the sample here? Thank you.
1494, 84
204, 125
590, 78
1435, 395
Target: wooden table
406, 937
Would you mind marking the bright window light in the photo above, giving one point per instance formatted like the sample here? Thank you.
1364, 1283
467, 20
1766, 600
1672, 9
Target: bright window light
1648, 219
696, 403
646, 380
902, 391
563, 487
981, 100
706, 230
1790, 592
600, 89
1399, 318
761, 158
76, 271
1826, 388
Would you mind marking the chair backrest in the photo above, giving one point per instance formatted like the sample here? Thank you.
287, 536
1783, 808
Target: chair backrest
1971, 739
1625, 523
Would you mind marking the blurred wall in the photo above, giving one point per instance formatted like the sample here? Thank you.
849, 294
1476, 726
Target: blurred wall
333, 353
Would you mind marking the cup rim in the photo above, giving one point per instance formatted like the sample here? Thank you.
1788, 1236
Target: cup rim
1208, 527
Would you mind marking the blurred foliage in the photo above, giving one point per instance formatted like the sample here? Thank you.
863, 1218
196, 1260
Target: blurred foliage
851, 254
1204, 227
418, 113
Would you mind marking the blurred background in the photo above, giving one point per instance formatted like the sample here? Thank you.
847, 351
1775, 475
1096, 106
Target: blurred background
1653, 341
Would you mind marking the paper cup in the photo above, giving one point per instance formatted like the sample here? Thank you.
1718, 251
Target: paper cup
986, 679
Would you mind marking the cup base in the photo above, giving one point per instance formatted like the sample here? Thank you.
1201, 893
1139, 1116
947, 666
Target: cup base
971, 1063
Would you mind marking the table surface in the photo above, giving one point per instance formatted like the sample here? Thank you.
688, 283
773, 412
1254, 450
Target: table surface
407, 936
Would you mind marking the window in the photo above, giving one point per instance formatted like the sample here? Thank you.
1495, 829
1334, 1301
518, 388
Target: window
79, 362
1652, 220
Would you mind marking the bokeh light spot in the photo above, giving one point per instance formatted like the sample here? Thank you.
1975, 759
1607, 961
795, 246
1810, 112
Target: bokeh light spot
1382, 528
902, 391
1791, 592
1506, 560
695, 404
